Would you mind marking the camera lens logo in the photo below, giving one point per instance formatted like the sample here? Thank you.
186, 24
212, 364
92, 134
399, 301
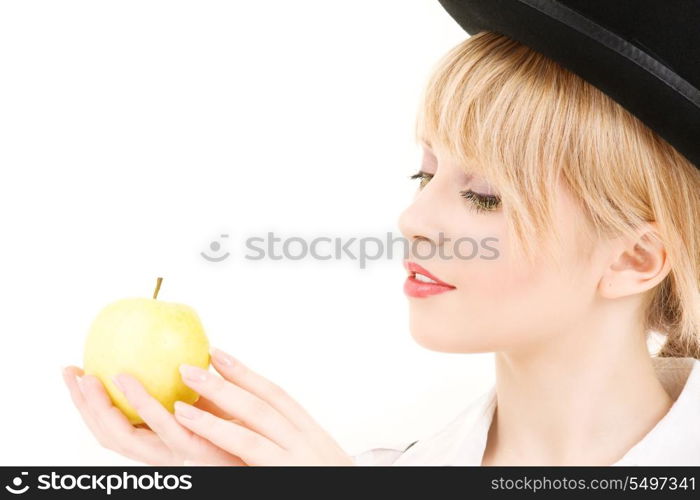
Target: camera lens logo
215, 246
17, 483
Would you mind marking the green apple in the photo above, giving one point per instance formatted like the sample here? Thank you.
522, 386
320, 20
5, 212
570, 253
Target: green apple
148, 339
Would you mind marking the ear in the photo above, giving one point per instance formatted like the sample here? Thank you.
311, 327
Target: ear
637, 265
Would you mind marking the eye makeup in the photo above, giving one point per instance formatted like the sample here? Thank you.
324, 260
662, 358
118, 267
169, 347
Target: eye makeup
479, 202
423, 176
482, 202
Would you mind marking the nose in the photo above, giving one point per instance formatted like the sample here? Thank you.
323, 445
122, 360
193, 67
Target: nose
420, 223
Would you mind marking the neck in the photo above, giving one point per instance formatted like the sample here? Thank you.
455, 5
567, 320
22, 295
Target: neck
584, 399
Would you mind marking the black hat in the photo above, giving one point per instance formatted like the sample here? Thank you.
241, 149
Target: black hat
645, 54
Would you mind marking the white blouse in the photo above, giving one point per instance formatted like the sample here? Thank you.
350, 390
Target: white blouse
674, 440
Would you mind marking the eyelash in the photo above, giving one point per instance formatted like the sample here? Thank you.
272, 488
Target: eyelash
479, 202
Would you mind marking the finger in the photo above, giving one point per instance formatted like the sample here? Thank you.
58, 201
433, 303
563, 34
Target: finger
204, 404
107, 414
70, 377
242, 376
255, 413
81, 398
238, 440
121, 435
178, 438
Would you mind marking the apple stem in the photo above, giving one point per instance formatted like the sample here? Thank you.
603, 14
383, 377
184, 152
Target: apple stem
158, 282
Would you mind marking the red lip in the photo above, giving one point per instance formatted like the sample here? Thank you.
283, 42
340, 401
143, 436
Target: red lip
416, 288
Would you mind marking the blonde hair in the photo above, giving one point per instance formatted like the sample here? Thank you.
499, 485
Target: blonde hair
525, 122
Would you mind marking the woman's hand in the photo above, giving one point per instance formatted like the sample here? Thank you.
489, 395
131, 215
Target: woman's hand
166, 442
240, 419
272, 428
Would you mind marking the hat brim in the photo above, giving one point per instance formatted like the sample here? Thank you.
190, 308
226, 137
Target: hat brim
634, 78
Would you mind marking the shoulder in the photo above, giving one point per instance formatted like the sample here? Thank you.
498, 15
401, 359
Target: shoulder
464, 432
675, 439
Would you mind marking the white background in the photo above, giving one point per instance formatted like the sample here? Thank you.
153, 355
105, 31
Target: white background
134, 133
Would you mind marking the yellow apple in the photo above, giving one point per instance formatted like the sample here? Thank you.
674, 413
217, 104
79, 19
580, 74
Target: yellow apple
148, 339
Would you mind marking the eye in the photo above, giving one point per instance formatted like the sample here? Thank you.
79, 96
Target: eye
423, 176
482, 202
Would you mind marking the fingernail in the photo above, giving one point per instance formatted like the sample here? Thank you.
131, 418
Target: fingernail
187, 411
193, 373
118, 383
221, 357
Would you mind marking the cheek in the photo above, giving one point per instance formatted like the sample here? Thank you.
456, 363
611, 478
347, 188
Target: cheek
489, 287
506, 302
499, 304
480, 315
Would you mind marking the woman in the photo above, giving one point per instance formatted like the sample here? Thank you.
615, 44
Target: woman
594, 218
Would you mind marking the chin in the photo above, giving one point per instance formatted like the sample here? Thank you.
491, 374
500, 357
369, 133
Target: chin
442, 341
